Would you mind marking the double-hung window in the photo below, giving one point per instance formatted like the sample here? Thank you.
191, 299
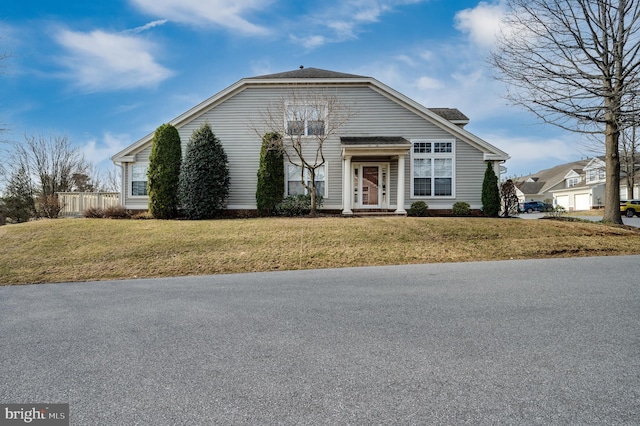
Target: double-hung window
305, 120
432, 168
138, 179
294, 180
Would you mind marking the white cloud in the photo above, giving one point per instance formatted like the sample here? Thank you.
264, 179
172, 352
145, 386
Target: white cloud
225, 13
530, 154
482, 22
309, 42
345, 19
147, 26
428, 83
101, 61
99, 152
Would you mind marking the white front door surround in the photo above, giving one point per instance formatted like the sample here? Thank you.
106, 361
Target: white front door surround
388, 149
370, 185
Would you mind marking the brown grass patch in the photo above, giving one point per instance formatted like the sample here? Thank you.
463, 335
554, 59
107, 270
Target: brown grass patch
99, 249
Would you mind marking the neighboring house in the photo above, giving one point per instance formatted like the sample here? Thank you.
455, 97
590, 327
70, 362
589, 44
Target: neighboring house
579, 185
393, 152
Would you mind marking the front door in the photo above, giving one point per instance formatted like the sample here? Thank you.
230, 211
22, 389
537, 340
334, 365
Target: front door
370, 188
369, 184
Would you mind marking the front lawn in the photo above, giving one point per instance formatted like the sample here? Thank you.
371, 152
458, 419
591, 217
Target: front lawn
100, 249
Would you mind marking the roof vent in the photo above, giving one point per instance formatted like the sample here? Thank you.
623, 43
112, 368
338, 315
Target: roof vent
301, 66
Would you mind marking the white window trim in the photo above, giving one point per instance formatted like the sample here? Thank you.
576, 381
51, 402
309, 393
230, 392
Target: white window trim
306, 172
435, 155
599, 173
130, 183
573, 181
325, 117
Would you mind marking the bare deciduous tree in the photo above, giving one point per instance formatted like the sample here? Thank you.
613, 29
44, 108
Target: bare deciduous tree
575, 64
51, 164
629, 158
306, 118
508, 198
110, 181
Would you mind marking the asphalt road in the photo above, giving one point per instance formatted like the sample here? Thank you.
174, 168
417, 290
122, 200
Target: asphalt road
514, 342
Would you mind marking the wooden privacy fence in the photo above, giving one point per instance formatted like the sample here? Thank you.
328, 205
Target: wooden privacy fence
74, 203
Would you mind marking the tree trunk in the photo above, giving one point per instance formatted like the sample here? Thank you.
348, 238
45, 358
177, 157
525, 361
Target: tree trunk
312, 191
612, 185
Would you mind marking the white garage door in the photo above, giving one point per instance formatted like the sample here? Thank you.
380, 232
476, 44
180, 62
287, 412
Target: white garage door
582, 202
563, 200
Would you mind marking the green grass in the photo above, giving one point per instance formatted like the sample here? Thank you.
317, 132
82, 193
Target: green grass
101, 249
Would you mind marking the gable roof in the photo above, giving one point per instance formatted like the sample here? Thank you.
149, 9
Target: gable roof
307, 73
445, 118
544, 180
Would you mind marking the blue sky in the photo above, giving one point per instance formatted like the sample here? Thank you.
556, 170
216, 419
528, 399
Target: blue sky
106, 73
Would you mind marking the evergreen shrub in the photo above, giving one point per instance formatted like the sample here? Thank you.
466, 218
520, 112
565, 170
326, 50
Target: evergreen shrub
270, 188
490, 193
163, 172
418, 209
461, 208
204, 177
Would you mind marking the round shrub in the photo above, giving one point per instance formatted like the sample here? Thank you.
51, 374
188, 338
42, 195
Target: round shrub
461, 208
418, 209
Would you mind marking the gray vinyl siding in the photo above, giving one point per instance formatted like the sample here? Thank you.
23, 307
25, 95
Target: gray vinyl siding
236, 120
383, 117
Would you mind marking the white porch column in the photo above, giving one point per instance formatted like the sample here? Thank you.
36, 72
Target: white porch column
400, 201
347, 192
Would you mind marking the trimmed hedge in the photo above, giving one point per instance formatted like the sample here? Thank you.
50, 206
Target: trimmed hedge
270, 188
164, 172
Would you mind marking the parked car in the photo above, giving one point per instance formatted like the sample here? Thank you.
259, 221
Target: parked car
535, 206
630, 208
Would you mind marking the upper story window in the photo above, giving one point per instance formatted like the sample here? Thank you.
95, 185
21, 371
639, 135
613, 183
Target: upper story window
595, 175
305, 120
572, 182
432, 168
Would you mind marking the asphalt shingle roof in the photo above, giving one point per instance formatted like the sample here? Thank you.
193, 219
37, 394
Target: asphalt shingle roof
451, 114
378, 140
309, 73
548, 178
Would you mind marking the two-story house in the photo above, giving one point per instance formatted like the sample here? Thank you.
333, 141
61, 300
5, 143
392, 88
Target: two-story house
391, 152
579, 185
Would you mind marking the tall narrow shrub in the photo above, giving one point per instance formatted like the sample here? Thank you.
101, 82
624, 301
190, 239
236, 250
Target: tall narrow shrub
490, 193
270, 188
163, 172
204, 178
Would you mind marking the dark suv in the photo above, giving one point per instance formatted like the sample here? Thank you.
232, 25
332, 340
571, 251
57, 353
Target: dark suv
535, 206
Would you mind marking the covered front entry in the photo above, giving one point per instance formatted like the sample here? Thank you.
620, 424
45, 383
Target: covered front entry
367, 172
370, 185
